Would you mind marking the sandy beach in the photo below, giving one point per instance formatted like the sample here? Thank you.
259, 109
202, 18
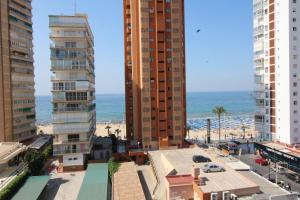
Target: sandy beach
193, 134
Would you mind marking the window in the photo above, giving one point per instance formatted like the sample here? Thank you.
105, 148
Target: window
294, 1
294, 19
295, 84
295, 103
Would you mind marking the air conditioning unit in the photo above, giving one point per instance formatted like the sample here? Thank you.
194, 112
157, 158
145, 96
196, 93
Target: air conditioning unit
214, 196
233, 197
226, 195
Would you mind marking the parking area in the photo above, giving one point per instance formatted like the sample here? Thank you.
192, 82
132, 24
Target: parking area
63, 186
268, 172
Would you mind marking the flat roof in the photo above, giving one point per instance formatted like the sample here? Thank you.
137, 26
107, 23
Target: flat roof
10, 149
32, 188
127, 185
40, 142
267, 187
95, 183
283, 148
180, 162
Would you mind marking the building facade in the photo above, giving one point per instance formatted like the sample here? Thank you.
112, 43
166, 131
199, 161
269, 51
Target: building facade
17, 102
277, 69
155, 72
73, 92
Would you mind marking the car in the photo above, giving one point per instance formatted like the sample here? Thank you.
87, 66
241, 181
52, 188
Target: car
211, 167
261, 161
200, 159
293, 176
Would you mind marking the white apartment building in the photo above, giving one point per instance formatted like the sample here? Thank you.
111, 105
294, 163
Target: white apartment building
73, 92
277, 69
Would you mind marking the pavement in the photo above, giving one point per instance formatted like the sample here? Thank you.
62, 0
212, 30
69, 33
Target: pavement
264, 171
63, 186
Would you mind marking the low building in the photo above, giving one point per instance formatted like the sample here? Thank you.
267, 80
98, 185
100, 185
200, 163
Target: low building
32, 188
178, 177
280, 153
11, 161
126, 184
96, 183
102, 149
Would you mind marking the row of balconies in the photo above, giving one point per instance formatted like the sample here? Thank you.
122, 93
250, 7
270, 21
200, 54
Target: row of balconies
73, 128
71, 149
77, 117
80, 108
62, 96
72, 86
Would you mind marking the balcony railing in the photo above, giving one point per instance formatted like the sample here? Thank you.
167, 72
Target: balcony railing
77, 140
68, 151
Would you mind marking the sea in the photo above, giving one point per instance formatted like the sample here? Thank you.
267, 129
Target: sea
110, 108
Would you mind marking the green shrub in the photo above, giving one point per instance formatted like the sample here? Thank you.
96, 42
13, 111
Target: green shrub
35, 161
14, 186
113, 167
47, 152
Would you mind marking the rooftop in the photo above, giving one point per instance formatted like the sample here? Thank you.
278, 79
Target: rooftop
124, 189
32, 188
95, 183
283, 148
10, 149
179, 162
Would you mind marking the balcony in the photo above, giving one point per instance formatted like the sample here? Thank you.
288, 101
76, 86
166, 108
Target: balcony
69, 151
73, 128
79, 140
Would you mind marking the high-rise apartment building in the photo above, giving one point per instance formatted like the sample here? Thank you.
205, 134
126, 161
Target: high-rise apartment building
277, 69
155, 72
73, 92
17, 102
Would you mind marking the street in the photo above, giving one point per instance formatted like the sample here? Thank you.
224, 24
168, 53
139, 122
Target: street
264, 171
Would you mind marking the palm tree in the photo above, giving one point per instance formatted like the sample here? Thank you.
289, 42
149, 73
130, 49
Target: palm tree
244, 127
219, 110
108, 127
118, 131
188, 128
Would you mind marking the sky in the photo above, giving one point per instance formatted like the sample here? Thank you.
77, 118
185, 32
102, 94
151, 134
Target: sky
218, 58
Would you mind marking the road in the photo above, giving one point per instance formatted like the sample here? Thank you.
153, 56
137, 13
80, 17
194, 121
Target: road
264, 171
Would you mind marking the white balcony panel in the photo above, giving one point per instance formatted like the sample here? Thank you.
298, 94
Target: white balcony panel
82, 85
71, 128
72, 117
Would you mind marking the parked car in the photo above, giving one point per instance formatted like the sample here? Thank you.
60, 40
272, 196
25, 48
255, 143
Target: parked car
293, 176
211, 167
261, 161
200, 159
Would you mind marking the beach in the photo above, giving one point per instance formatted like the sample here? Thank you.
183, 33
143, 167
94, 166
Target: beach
193, 133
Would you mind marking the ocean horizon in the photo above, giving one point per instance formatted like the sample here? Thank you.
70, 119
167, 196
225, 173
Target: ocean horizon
110, 108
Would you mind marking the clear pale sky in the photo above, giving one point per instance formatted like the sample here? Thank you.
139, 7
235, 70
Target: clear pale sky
219, 58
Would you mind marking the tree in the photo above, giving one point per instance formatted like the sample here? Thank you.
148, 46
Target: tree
118, 131
219, 110
114, 142
244, 127
35, 161
188, 128
108, 127
113, 167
